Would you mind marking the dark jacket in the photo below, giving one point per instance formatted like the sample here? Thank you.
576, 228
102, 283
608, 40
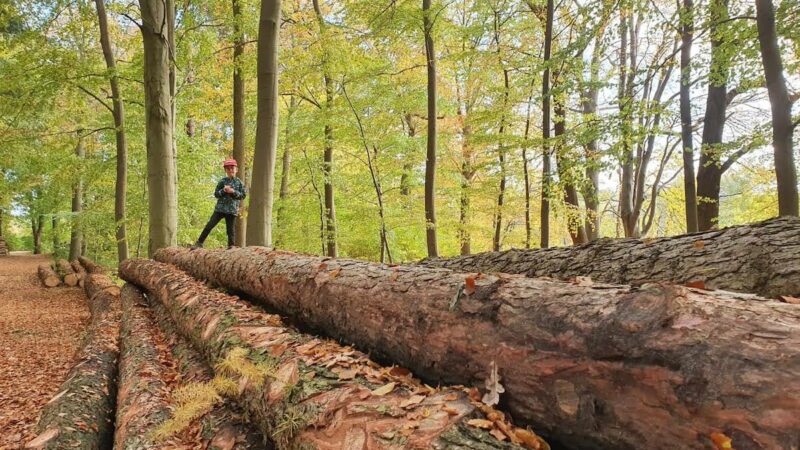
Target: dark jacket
229, 203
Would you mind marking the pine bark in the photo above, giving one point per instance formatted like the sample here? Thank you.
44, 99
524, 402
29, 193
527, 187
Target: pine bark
592, 366
327, 391
430, 158
756, 258
81, 414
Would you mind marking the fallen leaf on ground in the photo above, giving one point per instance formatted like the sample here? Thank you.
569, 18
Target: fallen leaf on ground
413, 400
721, 442
385, 389
697, 284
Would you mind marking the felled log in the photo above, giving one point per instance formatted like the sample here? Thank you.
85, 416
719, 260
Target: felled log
302, 391
80, 272
90, 265
148, 375
80, 416
657, 366
759, 258
66, 271
48, 276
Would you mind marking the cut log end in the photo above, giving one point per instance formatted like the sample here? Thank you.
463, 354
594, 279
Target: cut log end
48, 276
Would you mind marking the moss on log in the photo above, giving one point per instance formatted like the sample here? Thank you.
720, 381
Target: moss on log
307, 393
591, 365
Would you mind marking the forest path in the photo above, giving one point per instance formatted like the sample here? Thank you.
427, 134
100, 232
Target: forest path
40, 331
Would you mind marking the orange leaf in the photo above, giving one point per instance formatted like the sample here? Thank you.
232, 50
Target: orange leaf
499, 435
788, 299
697, 284
721, 442
335, 272
399, 372
394, 276
323, 266
348, 374
528, 438
470, 282
699, 244
480, 423
411, 401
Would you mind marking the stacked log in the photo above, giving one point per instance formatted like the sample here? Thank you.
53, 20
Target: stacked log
48, 276
90, 265
591, 365
3, 247
303, 391
149, 372
80, 272
760, 258
80, 415
67, 273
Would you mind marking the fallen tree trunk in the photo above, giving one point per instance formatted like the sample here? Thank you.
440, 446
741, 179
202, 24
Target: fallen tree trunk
302, 391
591, 366
759, 258
80, 272
80, 416
48, 276
67, 272
90, 265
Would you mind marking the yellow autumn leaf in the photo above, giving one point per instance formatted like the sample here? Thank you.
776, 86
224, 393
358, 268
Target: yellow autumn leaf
385, 389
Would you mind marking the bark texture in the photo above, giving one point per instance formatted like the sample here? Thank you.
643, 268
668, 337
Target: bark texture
48, 276
592, 366
80, 272
430, 158
759, 258
76, 236
67, 272
303, 391
81, 414
90, 265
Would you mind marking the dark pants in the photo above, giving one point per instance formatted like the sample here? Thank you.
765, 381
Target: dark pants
213, 221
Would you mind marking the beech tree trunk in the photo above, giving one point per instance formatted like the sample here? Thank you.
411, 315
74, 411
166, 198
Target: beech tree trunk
259, 217
162, 189
782, 127
284, 375
37, 224
120, 189
574, 223
81, 414
591, 366
544, 218
76, 237
689, 189
756, 258
430, 159
239, 114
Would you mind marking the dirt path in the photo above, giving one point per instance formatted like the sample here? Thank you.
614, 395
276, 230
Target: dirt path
40, 330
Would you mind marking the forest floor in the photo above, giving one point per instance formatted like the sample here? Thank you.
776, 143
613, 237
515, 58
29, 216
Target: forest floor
40, 331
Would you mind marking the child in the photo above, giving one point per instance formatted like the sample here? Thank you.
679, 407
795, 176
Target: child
230, 190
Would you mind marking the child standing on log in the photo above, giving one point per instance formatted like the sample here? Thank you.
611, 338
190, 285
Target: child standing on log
229, 192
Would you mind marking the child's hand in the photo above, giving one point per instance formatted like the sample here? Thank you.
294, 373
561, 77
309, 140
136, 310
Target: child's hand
228, 189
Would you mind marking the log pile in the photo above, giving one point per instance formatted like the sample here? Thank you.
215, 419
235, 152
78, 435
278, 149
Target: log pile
80, 415
759, 258
67, 273
90, 266
306, 392
80, 272
48, 276
3, 247
591, 365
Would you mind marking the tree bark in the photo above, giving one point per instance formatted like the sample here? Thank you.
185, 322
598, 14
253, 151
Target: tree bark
689, 362
120, 188
81, 414
239, 114
91, 266
37, 224
80, 272
56, 236
259, 218
66, 271
544, 218
76, 236
755, 258
301, 378
689, 189
574, 223
782, 127
430, 158
501, 144
286, 166
48, 276
161, 172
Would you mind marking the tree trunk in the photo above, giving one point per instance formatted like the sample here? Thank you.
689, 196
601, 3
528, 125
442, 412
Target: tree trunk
259, 218
501, 144
591, 188
56, 236
782, 128
405, 187
307, 380
81, 414
36, 228
48, 276
625, 96
430, 159
239, 116
161, 174
710, 170
282, 224
689, 189
120, 189
574, 223
761, 252
76, 236
683, 358
545, 209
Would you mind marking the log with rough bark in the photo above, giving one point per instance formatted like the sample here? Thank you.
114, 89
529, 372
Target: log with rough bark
80, 272
90, 265
657, 365
66, 271
48, 276
158, 406
304, 392
759, 258
81, 415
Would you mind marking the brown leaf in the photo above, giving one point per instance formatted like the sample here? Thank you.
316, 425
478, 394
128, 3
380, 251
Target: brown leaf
225, 439
499, 435
470, 285
400, 372
493, 386
788, 299
347, 374
43, 438
395, 275
480, 423
474, 394
699, 244
335, 272
412, 401
385, 389
697, 284
323, 266
528, 438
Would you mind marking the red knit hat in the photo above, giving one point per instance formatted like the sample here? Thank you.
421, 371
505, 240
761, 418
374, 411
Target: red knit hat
230, 162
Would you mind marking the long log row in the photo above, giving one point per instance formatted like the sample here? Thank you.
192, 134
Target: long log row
151, 378
302, 391
81, 415
760, 258
605, 366
48, 276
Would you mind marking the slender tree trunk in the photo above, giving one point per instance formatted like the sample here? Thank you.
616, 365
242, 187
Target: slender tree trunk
467, 174
327, 161
501, 144
430, 160
405, 187
627, 69
239, 116
36, 228
76, 236
281, 224
259, 218
161, 173
545, 210
710, 171
526, 176
591, 156
56, 237
120, 189
689, 189
782, 128
574, 223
